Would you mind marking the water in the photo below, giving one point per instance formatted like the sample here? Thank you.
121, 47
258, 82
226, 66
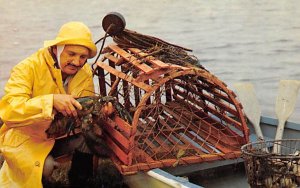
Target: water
251, 40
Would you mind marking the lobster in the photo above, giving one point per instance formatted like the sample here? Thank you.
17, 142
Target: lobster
89, 119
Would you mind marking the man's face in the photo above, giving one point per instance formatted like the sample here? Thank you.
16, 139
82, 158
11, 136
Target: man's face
72, 58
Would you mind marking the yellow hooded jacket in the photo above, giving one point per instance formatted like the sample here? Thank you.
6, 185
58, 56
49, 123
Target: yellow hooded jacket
27, 111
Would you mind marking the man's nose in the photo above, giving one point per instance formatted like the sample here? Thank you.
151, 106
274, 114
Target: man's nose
76, 61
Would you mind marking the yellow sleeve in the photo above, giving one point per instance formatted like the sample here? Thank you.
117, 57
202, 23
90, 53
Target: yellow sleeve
18, 107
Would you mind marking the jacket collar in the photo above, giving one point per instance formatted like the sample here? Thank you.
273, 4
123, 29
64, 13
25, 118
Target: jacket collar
55, 72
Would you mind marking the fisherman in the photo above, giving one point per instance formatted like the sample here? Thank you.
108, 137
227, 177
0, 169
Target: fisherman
44, 84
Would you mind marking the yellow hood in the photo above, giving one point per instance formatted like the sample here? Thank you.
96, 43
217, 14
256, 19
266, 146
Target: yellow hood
74, 33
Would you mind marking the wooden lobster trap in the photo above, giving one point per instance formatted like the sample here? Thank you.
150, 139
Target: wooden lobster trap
181, 114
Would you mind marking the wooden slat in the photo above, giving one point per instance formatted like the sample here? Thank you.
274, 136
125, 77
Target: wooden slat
126, 158
211, 88
215, 112
156, 76
117, 136
128, 78
122, 125
199, 103
148, 102
208, 98
112, 58
114, 87
131, 59
149, 58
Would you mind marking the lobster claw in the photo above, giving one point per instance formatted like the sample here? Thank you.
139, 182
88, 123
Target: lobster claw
107, 109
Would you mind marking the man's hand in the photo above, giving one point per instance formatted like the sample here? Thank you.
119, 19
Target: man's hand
66, 104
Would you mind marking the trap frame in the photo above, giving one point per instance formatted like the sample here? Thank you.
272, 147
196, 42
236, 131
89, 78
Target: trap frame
181, 114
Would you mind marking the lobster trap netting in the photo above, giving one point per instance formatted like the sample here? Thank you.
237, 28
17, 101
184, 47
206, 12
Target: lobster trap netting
181, 113
266, 168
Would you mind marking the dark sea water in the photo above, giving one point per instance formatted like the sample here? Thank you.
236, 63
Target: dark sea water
256, 41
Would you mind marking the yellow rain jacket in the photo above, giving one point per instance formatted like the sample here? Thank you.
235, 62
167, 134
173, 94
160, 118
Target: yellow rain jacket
26, 110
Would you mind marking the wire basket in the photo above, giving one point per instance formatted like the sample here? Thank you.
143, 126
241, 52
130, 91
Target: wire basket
266, 168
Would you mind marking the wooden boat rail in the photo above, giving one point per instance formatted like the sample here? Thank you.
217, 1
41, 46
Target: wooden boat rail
181, 115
